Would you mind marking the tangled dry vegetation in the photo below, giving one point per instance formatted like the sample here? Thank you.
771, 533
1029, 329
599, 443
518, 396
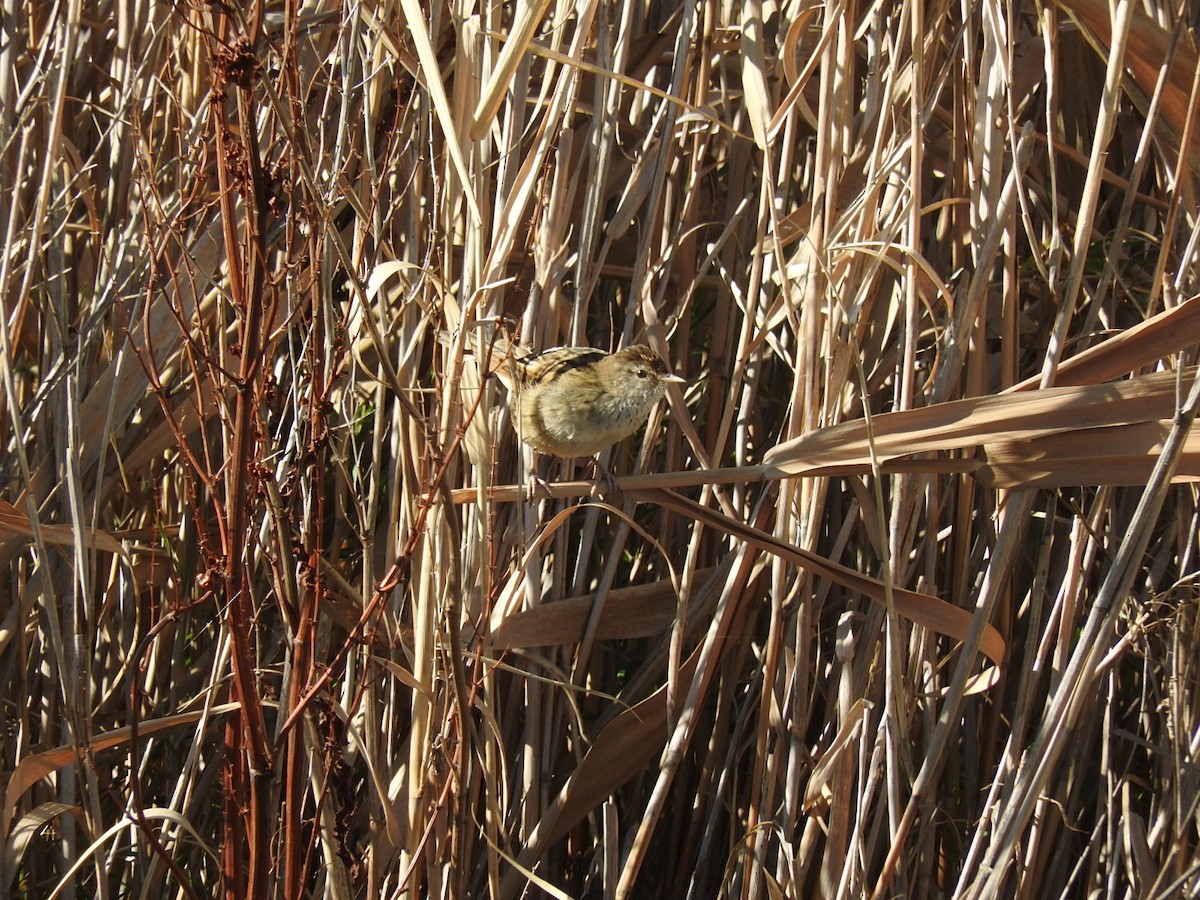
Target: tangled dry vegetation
898, 596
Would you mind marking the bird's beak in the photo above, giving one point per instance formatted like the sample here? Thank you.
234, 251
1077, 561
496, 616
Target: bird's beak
673, 379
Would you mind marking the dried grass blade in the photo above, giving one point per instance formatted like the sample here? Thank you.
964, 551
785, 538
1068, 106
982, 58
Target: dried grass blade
1148, 47
1130, 349
964, 424
622, 748
930, 612
441, 103
754, 80
13, 522
529, 15
823, 768
1123, 454
26, 830
37, 766
631, 612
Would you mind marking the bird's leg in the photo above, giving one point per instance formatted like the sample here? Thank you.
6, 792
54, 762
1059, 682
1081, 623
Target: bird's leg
537, 483
604, 485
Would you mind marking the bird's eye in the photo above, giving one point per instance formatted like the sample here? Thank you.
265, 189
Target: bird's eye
642, 373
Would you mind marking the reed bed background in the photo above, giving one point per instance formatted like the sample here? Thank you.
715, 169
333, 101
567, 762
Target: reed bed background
897, 598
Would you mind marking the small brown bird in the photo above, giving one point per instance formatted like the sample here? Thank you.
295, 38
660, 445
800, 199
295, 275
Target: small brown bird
575, 401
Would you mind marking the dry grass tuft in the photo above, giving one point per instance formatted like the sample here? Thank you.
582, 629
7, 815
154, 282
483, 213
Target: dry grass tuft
900, 594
